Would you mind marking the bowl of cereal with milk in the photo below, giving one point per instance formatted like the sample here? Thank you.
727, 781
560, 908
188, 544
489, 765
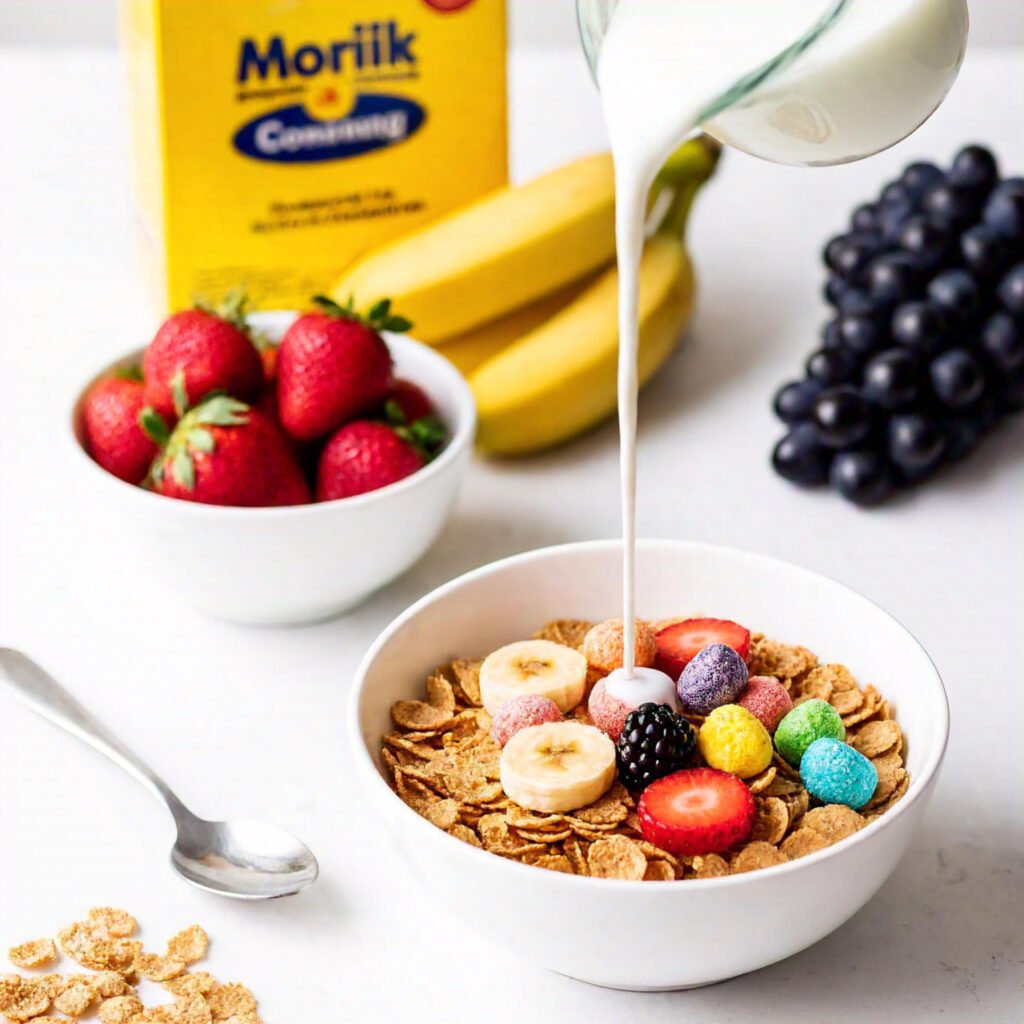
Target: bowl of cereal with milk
766, 756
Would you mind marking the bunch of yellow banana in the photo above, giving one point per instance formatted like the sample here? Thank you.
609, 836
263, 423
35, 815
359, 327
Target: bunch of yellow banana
517, 289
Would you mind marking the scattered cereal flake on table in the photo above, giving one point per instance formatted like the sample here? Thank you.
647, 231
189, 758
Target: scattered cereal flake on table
771, 820
230, 1000
876, 738
77, 996
567, 632
24, 998
802, 842
659, 871
756, 855
111, 923
119, 1009
189, 945
34, 953
109, 983
197, 983
710, 866
833, 821
616, 857
156, 967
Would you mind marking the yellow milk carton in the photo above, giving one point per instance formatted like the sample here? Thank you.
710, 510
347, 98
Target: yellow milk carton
276, 140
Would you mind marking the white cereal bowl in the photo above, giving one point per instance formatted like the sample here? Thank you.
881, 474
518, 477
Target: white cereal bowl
303, 563
572, 924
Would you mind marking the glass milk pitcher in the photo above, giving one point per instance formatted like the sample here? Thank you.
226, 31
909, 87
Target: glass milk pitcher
863, 75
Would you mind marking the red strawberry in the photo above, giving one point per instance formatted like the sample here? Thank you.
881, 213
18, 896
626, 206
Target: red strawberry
268, 356
682, 641
223, 452
113, 436
696, 811
364, 456
333, 366
410, 400
210, 350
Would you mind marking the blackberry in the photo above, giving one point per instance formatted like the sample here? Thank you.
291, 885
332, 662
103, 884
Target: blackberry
655, 742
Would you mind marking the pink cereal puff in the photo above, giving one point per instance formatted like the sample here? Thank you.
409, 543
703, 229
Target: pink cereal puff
608, 713
767, 700
520, 712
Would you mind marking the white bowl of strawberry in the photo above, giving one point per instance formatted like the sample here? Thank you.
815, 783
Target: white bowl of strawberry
287, 464
690, 878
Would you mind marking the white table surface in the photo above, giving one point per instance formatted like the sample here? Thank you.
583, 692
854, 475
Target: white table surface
250, 722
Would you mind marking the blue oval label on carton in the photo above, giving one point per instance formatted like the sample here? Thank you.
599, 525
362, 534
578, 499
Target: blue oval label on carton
291, 136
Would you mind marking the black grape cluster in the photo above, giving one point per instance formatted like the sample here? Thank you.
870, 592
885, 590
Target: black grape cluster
925, 352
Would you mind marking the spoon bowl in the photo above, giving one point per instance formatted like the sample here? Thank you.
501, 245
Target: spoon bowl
246, 859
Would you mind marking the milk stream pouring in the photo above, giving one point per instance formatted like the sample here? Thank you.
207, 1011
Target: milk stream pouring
796, 81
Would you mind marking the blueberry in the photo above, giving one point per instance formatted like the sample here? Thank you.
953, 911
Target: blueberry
833, 248
793, 402
926, 239
920, 176
893, 277
957, 293
985, 251
916, 443
953, 205
957, 378
865, 217
920, 325
1002, 340
892, 379
1011, 290
842, 417
830, 366
860, 335
1011, 398
801, 458
1004, 210
863, 476
974, 167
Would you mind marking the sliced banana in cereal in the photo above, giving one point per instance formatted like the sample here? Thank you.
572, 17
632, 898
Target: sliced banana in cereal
557, 766
533, 667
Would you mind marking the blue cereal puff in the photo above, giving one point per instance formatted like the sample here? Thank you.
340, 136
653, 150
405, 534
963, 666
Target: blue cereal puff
713, 677
837, 774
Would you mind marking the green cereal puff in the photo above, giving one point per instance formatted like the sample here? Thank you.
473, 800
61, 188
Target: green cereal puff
807, 722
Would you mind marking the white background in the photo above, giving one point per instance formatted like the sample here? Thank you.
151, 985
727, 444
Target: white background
543, 22
251, 722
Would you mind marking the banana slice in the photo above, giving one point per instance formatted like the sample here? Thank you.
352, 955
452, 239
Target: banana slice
557, 766
533, 667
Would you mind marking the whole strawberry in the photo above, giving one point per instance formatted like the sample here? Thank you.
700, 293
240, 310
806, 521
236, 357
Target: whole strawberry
113, 436
210, 349
332, 366
365, 455
410, 401
223, 452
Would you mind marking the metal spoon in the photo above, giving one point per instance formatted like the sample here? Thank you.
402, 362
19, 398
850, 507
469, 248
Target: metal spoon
247, 860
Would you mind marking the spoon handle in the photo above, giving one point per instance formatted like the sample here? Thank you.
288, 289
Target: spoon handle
38, 690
